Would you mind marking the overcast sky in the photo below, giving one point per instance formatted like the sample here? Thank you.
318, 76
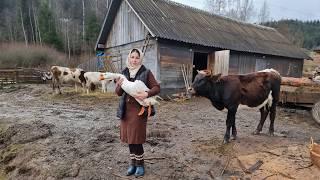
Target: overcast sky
279, 9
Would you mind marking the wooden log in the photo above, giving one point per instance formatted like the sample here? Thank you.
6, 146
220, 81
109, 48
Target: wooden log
297, 82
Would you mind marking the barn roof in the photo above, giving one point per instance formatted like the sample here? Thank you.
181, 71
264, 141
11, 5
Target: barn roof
169, 20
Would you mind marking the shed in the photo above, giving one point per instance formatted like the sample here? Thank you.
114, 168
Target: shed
181, 35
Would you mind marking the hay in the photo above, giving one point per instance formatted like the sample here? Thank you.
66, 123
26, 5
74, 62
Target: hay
315, 153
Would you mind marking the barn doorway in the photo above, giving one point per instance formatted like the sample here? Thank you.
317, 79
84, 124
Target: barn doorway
200, 62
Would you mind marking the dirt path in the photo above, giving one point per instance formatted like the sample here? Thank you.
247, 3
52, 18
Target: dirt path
76, 136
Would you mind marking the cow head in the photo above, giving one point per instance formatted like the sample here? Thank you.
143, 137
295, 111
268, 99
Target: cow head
203, 83
103, 77
46, 76
109, 76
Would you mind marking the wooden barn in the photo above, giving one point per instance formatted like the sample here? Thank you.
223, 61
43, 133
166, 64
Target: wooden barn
176, 36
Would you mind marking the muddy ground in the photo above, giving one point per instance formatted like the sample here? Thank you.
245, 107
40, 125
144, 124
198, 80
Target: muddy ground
76, 136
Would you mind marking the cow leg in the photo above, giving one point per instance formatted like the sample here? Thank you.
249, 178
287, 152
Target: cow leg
263, 116
230, 123
53, 82
272, 117
103, 87
59, 88
76, 87
234, 131
83, 87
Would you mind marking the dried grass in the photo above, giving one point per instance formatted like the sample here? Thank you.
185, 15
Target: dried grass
18, 55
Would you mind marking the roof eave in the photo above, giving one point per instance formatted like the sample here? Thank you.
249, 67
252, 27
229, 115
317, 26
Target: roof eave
108, 20
145, 25
305, 56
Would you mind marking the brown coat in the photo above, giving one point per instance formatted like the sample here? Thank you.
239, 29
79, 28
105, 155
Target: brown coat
133, 127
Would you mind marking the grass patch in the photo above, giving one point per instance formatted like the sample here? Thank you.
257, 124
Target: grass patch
2, 175
8, 88
3, 129
9, 153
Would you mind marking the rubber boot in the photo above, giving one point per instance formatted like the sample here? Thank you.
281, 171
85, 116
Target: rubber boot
140, 168
132, 168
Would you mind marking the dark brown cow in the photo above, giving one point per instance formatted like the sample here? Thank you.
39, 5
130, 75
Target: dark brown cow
259, 89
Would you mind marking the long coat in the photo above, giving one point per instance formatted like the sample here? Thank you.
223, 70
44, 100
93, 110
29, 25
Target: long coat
132, 126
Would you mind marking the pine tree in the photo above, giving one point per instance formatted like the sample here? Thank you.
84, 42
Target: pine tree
92, 29
47, 26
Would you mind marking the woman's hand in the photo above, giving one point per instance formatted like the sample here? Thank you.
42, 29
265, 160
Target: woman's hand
119, 81
141, 95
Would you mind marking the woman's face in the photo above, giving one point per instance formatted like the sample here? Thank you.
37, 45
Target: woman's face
134, 59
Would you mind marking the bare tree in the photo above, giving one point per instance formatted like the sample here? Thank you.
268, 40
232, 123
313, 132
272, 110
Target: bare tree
237, 9
23, 29
264, 13
65, 22
233, 9
83, 21
247, 10
31, 24
9, 22
217, 6
36, 24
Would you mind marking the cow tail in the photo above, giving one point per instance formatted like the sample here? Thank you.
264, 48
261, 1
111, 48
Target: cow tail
270, 100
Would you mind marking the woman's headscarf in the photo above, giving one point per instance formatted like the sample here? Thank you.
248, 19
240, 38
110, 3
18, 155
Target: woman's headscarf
134, 69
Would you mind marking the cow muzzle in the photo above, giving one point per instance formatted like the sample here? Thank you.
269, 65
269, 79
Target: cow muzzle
191, 91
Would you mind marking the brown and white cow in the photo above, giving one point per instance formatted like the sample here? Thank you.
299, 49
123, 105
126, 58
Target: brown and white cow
93, 79
259, 89
62, 75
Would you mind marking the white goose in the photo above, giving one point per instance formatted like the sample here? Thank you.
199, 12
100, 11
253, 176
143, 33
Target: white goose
132, 88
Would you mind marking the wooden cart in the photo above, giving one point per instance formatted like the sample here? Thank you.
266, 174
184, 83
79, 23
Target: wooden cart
301, 92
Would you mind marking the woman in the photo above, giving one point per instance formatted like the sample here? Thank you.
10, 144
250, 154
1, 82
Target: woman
133, 127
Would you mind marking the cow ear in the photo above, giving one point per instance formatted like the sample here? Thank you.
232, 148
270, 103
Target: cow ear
216, 77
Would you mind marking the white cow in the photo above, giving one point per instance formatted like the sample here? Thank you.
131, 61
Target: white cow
93, 80
62, 75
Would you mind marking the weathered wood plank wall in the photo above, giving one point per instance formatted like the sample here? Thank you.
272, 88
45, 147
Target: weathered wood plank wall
127, 27
242, 63
119, 55
171, 60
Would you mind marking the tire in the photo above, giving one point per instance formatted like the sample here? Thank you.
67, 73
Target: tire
316, 112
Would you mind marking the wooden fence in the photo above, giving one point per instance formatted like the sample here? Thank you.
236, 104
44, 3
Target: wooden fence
21, 75
110, 63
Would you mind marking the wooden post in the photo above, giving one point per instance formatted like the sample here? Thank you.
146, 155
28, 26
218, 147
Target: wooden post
17, 76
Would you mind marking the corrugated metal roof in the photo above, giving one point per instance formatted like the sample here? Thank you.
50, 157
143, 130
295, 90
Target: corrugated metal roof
169, 20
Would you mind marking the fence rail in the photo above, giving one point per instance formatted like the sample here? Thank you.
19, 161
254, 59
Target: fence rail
21, 75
